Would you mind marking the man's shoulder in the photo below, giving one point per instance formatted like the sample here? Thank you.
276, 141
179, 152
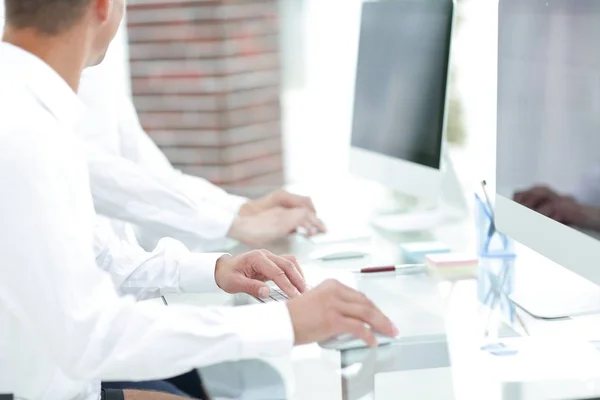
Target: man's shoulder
28, 131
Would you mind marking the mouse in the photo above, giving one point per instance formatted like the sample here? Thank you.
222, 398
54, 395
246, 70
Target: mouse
339, 253
349, 342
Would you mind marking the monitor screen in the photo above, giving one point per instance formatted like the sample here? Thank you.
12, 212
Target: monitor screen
548, 152
400, 93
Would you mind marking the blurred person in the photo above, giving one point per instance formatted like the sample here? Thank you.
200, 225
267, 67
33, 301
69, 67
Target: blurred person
134, 184
579, 209
63, 326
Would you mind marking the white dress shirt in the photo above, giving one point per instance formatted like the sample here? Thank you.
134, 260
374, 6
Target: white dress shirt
133, 181
63, 326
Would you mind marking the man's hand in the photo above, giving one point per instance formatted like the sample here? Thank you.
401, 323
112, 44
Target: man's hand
247, 273
565, 210
283, 199
275, 223
535, 197
279, 198
332, 309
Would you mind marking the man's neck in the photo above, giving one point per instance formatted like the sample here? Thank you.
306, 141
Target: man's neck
65, 53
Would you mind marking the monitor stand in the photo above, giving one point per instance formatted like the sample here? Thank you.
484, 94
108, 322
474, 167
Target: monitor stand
555, 305
562, 293
429, 213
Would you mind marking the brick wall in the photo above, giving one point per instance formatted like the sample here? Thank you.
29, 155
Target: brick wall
206, 83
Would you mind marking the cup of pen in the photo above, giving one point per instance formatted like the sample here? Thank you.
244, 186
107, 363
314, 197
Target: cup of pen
496, 261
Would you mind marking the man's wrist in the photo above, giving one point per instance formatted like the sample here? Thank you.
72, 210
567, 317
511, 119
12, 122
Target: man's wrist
235, 230
246, 209
197, 272
219, 265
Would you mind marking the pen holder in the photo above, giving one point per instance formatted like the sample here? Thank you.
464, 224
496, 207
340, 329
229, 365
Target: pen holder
490, 242
495, 283
496, 253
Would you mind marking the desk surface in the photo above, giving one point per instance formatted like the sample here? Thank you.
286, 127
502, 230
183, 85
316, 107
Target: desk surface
461, 339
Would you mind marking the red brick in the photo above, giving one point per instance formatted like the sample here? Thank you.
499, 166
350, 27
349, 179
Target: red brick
206, 81
195, 103
184, 138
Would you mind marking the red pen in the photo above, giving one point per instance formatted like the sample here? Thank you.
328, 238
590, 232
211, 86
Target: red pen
393, 268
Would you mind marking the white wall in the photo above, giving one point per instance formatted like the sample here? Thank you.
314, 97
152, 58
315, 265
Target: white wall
318, 118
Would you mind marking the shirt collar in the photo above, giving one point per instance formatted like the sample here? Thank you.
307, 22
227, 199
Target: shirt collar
46, 84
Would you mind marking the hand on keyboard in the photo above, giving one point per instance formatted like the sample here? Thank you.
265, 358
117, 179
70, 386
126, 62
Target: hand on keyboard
332, 309
247, 273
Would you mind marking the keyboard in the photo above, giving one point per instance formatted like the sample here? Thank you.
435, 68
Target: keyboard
276, 295
340, 342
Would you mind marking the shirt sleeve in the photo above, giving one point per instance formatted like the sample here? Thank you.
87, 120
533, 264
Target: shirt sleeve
142, 187
50, 283
137, 146
156, 202
169, 268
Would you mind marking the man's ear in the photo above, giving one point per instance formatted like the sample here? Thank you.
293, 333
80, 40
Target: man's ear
102, 9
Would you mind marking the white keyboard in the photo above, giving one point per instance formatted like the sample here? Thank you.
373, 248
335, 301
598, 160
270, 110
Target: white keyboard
341, 235
340, 342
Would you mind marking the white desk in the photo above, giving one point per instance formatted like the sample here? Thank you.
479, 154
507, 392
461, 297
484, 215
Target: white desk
441, 357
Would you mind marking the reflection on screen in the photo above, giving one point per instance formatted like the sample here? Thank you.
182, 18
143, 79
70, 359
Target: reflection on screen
401, 79
549, 107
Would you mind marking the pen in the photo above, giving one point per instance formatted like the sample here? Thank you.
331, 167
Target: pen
487, 199
492, 228
391, 268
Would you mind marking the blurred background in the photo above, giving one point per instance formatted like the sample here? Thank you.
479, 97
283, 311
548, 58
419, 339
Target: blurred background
259, 93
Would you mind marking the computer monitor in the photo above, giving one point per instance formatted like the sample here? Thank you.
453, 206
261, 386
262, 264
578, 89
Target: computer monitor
548, 144
400, 94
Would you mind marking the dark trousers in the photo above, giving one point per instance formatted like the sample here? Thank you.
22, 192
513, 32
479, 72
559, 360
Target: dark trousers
187, 385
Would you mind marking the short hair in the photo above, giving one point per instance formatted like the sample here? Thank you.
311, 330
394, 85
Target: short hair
47, 16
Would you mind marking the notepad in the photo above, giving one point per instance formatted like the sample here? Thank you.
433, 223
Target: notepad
417, 251
453, 265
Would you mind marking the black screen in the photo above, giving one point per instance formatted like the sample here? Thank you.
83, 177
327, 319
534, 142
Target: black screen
400, 94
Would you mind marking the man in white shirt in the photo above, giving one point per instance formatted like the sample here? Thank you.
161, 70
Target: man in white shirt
63, 327
133, 181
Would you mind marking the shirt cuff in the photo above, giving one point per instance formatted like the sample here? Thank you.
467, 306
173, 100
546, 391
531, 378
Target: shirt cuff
222, 219
266, 330
197, 272
233, 203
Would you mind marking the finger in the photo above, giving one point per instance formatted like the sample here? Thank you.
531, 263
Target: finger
317, 224
291, 200
532, 199
309, 222
370, 315
546, 209
302, 201
537, 196
293, 274
296, 263
253, 287
363, 304
293, 219
558, 217
263, 265
358, 329
518, 197
310, 205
